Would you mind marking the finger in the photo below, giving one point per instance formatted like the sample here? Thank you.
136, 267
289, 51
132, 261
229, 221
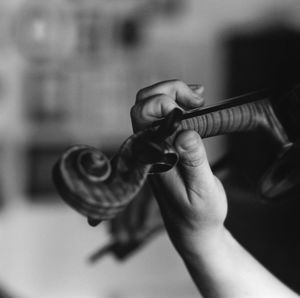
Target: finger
185, 95
197, 88
170, 202
170, 193
151, 109
193, 163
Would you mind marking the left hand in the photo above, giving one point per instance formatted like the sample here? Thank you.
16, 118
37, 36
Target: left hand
192, 200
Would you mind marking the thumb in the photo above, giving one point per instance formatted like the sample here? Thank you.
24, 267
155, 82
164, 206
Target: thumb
193, 162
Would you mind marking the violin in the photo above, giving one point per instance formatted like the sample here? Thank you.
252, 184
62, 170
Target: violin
100, 188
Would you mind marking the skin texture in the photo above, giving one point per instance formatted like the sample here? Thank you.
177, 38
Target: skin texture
193, 205
191, 198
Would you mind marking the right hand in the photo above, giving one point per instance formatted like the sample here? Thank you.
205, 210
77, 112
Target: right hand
191, 199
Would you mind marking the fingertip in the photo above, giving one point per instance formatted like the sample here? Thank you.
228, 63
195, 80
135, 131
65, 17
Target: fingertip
193, 161
198, 89
190, 148
188, 140
189, 145
198, 100
152, 109
193, 97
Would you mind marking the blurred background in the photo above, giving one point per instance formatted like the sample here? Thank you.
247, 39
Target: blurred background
69, 72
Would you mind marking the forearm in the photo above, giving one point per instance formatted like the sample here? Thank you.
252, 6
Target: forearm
223, 268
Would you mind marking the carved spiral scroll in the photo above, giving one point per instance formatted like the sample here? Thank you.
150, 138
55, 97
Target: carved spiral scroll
93, 185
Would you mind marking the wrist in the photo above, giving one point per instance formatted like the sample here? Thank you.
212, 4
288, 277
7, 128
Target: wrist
202, 245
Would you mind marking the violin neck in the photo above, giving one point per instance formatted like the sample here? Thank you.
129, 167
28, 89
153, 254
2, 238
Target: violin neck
245, 113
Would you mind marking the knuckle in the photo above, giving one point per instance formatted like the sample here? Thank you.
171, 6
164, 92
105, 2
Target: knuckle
179, 84
133, 112
144, 111
193, 160
175, 81
138, 112
140, 94
164, 104
179, 88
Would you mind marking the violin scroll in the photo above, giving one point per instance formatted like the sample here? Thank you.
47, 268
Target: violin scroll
93, 164
99, 188
77, 173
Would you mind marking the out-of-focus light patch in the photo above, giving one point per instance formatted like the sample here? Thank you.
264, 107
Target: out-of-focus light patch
44, 30
39, 29
44, 253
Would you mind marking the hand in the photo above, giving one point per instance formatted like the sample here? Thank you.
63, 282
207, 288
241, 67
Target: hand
191, 199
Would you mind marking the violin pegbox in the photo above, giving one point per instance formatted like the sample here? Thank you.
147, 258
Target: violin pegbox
100, 188
154, 148
161, 155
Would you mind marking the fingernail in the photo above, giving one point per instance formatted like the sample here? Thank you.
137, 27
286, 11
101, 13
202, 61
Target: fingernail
198, 89
190, 143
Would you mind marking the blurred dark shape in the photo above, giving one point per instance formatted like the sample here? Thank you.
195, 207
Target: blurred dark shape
270, 232
5, 294
3, 87
269, 57
91, 33
45, 94
169, 7
40, 160
131, 31
93, 222
287, 108
283, 178
123, 250
255, 60
133, 228
131, 34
